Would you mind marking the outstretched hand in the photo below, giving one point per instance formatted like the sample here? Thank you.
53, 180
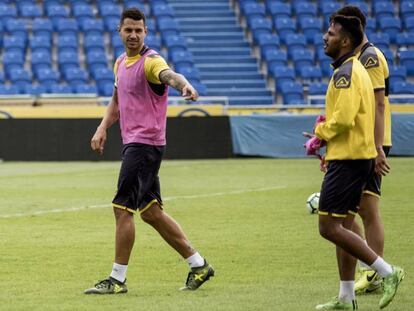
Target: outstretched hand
189, 92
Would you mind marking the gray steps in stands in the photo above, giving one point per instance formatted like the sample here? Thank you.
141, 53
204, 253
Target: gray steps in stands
221, 51
227, 59
256, 83
230, 76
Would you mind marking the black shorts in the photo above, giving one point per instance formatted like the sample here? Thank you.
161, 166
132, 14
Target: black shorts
342, 186
138, 183
373, 186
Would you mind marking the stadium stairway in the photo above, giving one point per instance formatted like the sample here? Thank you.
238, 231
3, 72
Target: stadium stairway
221, 52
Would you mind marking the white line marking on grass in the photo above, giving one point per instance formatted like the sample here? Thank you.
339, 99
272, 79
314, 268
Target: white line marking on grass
182, 197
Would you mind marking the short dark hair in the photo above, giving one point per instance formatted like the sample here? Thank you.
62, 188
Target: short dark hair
351, 27
133, 13
351, 10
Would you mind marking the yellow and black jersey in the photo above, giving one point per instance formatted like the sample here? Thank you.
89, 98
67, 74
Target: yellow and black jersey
153, 66
350, 112
376, 64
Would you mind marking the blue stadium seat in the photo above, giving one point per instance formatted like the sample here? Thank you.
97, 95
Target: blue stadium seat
383, 9
103, 74
324, 62
56, 12
403, 88
392, 26
173, 43
111, 24
17, 27
8, 90
327, 8
14, 44
20, 75
2, 77
29, 10
109, 10
294, 42
116, 41
66, 26
292, 93
405, 39
279, 9
7, 11
274, 59
13, 58
85, 89
371, 26
409, 23
406, 9
47, 76
96, 59
40, 43
92, 26
139, 5
67, 43
253, 9
75, 76
42, 27
317, 88
284, 27
310, 26
259, 26
182, 58
389, 55
82, 11
302, 58
60, 89
310, 74
41, 59
268, 42
283, 75
34, 90
162, 10
398, 74
154, 42
105, 88
94, 43
303, 8
67, 59
191, 73
318, 41
380, 39
407, 60
151, 25
168, 26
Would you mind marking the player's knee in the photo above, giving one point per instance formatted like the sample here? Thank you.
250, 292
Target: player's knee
327, 231
152, 215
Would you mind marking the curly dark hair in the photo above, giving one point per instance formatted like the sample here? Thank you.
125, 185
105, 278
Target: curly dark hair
351, 10
351, 27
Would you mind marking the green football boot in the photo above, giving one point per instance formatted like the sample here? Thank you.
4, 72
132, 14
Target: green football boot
390, 286
108, 286
197, 276
369, 281
335, 304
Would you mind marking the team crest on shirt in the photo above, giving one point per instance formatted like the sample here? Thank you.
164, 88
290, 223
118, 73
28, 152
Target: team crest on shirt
342, 83
371, 62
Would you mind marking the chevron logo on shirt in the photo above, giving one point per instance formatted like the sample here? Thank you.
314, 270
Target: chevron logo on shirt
342, 83
371, 62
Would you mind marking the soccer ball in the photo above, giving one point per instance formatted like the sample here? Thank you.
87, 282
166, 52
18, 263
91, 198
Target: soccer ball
312, 203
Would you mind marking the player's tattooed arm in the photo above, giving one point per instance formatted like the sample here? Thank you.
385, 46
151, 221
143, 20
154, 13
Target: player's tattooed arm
179, 82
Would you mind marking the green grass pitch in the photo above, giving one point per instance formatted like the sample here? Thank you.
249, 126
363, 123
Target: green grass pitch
246, 216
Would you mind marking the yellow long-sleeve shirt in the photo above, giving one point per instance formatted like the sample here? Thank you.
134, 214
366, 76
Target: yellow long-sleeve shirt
350, 112
376, 65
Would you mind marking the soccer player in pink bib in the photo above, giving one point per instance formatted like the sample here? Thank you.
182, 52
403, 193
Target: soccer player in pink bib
139, 102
